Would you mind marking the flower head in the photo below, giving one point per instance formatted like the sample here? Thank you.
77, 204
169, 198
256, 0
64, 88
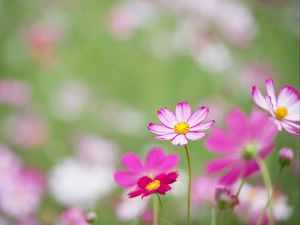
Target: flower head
240, 145
160, 184
225, 199
156, 163
285, 156
284, 109
74, 216
182, 126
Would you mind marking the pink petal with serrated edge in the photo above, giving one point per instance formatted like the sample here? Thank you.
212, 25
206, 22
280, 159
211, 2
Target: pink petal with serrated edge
198, 116
180, 140
167, 117
183, 111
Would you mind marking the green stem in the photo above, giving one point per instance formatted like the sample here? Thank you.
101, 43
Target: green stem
161, 208
155, 210
268, 184
213, 216
189, 185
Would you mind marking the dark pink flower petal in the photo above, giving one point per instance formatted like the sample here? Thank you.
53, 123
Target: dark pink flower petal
125, 179
202, 126
287, 96
198, 116
144, 181
132, 162
238, 126
194, 135
168, 163
183, 111
251, 167
147, 193
154, 158
167, 117
163, 189
170, 178
180, 140
136, 193
232, 176
159, 129
221, 142
264, 152
219, 164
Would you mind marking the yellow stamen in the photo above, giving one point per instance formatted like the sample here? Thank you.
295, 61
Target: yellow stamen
281, 112
181, 128
153, 185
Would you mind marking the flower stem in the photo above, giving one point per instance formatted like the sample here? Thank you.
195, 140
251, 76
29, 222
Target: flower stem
268, 184
161, 208
189, 186
213, 216
155, 210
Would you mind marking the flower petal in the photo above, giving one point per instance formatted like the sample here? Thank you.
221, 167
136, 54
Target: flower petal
198, 116
251, 167
294, 112
258, 98
203, 126
159, 129
168, 163
194, 136
135, 193
291, 127
132, 162
125, 179
266, 150
166, 136
287, 96
219, 164
238, 125
167, 117
183, 111
271, 92
144, 181
231, 177
163, 189
220, 142
180, 140
154, 158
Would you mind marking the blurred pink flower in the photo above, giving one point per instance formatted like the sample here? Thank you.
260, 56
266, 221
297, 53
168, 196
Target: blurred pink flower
160, 184
14, 92
27, 131
244, 140
182, 126
156, 163
21, 195
28, 221
203, 190
74, 216
284, 109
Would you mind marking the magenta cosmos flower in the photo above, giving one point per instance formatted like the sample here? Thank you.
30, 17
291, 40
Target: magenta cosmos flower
156, 163
160, 184
182, 126
284, 109
243, 141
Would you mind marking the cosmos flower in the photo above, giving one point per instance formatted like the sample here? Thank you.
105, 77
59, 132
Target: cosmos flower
240, 145
160, 184
181, 127
284, 109
156, 163
74, 216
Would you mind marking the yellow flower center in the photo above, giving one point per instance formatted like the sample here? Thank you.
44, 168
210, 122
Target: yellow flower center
281, 112
153, 185
181, 128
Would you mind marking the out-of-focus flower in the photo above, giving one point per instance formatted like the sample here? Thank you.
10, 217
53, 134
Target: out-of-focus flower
130, 208
126, 18
73, 182
245, 140
14, 92
156, 163
225, 199
40, 39
284, 109
203, 190
285, 156
28, 221
179, 188
160, 184
27, 131
70, 100
182, 126
253, 200
96, 150
74, 216
147, 216
21, 195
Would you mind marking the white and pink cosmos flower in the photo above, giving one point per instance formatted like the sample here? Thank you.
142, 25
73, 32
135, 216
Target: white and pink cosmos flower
183, 126
284, 109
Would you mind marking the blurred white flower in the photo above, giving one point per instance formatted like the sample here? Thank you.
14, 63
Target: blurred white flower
96, 150
179, 187
70, 100
75, 183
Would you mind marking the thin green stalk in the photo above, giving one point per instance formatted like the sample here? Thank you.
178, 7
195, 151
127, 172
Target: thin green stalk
161, 208
268, 184
189, 185
213, 220
155, 210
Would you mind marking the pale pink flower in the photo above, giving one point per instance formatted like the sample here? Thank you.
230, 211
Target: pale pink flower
284, 109
203, 190
74, 216
243, 141
183, 126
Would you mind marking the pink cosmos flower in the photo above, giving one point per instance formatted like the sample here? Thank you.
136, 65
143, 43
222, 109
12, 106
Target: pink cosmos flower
160, 184
182, 126
74, 216
284, 109
203, 190
244, 140
156, 163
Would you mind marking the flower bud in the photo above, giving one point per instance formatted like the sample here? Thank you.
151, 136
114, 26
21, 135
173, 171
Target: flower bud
90, 217
285, 156
225, 199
